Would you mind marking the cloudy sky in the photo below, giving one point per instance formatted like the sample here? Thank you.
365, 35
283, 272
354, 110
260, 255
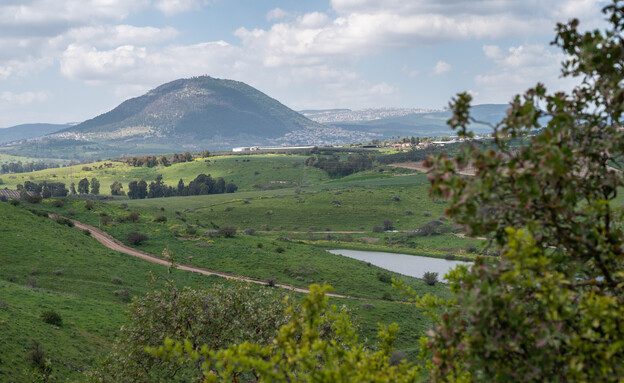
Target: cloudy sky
69, 60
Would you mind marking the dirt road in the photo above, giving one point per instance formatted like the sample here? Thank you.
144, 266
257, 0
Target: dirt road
418, 166
112, 243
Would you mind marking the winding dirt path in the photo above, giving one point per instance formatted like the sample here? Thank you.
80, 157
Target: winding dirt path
113, 244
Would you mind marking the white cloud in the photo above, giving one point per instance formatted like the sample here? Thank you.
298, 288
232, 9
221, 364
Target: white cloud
24, 98
116, 35
519, 68
277, 14
441, 67
172, 7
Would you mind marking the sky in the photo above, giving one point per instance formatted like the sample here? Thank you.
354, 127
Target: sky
70, 60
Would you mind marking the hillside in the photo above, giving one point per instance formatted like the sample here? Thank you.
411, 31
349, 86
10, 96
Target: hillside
20, 132
186, 114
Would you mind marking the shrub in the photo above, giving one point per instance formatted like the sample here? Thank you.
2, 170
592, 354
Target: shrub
250, 231
133, 216
227, 231
134, 238
34, 198
388, 224
377, 229
58, 203
89, 205
117, 281
160, 218
336, 202
36, 355
32, 282
57, 272
384, 277
271, 282
396, 198
449, 257
367, 306
430, 278
64, 221
426, 214
52, 317
190, 230
15, 202
279, 249
123, 294
259, 245
386, 296
229, 208
87, 232
408, 212
397, 357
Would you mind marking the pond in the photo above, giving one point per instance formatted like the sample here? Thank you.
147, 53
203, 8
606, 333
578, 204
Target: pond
410, 265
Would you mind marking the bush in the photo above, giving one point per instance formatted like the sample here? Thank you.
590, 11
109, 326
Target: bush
64, 221
160, 218
134, 238
15, 202
279, 249
386, 296
250, 231
89, 205
229, 208
377, 229
430, 278
123, 294
383, 277
58, 203
388, 224
397, 357
52, 317
36, 355
34, 198
87, 232
396, 198
271, 282
133, 217
227, 231
117, 281
259, 245
426, 214
408, 212
32, 282
57, 272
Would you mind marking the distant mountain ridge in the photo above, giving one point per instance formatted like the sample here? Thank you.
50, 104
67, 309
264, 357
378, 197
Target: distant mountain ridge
427, 123
187, 114
23, 131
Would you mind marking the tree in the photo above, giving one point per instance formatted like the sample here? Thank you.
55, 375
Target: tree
133, 190
72, 188
95, 186
116, 188
552, 307
217, 318
141, 189
83, 186
300, 352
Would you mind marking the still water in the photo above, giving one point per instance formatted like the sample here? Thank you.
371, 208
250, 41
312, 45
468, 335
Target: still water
411, 265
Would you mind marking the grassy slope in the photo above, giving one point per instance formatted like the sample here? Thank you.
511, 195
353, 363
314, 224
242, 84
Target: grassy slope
232, 168
75, 276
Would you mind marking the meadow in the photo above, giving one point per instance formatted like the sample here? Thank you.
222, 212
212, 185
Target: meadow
47, 265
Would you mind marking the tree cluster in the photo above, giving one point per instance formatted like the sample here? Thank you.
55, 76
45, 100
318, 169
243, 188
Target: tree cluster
336, 168
19, 167
45, 189
151, 161
202, 184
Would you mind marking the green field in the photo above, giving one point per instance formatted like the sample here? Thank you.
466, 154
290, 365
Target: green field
47, 265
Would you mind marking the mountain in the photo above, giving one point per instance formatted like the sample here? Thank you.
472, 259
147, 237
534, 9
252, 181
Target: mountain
186, 114
420, 123
20, 132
